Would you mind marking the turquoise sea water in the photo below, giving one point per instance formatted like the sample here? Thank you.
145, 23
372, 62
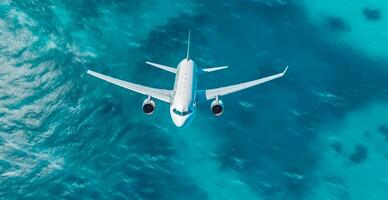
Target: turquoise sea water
319, 133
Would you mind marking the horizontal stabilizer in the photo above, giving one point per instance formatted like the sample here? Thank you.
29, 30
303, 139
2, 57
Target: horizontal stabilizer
212, 69
164, 67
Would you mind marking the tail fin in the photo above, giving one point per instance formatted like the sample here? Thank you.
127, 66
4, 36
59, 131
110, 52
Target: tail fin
188, 46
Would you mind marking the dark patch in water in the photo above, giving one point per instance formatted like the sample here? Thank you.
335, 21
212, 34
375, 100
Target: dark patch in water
337, 147
359, 155
383, 129
337, 24
371, 14
4, 165
111, 106
367, 135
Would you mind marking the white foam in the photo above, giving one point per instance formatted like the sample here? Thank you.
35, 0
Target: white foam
329, 98
246, 104
26, 163
22, 18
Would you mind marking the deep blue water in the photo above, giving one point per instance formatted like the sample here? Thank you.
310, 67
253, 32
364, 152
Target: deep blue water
321, 132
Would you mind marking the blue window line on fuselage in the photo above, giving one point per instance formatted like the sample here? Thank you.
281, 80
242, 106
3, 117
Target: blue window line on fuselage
184, 113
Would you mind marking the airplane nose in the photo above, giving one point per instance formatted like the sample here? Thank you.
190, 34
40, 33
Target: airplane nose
179, 122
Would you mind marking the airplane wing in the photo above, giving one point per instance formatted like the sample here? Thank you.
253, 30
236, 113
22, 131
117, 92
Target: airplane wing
161, 94
204, 95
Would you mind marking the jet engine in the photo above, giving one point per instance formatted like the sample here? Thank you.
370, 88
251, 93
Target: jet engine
148, 106
217, 107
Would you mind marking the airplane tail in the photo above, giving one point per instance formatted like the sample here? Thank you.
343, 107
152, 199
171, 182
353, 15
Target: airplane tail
188, 46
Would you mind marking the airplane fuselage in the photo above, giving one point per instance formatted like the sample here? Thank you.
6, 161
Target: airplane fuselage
182, 106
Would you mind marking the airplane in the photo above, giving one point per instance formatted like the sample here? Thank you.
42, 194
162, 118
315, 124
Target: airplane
185, 96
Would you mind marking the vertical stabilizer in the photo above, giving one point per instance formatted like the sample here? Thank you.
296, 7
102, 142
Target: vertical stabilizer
188, 46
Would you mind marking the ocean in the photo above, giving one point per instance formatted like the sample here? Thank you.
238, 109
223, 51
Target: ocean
320, 132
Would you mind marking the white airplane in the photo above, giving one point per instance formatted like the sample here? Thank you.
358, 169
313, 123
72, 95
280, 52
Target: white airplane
185, 96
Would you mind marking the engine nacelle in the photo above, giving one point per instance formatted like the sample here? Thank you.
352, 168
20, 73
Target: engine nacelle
148, 106
217, 107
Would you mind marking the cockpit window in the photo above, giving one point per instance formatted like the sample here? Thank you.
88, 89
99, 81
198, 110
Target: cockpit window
184, 113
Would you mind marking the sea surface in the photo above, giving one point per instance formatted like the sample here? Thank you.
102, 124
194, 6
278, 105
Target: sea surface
319, 133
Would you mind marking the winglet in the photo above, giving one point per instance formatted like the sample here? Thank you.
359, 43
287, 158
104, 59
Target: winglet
188, 46
285, 70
